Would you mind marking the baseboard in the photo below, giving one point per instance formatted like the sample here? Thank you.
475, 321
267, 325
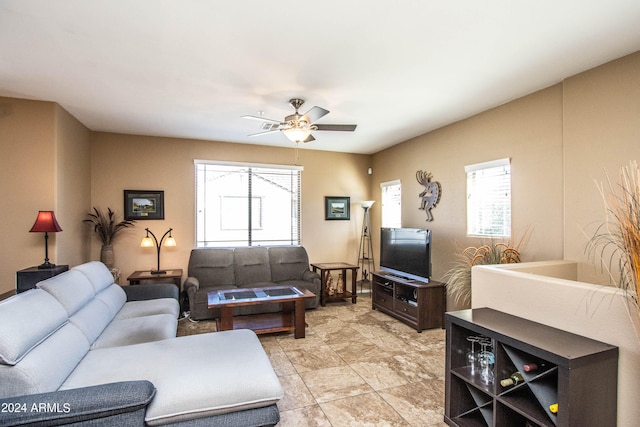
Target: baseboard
7, 294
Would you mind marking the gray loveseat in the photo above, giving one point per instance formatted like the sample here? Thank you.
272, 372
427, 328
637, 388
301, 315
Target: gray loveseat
77, 351
212, 269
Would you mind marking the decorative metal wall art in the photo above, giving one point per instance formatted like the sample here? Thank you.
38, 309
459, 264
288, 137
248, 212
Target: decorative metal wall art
430, 197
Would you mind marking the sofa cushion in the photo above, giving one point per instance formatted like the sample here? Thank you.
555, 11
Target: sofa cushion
71, 288
212, 266
136, 330
252, 265
92, 319
288, 263
232, 373
113, 297
47, 365
97, 273
26, 320
149, 307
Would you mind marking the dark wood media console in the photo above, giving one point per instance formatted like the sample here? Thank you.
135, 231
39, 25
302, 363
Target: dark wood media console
418, 304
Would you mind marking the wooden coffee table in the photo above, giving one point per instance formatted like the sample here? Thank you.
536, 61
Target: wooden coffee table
291, 318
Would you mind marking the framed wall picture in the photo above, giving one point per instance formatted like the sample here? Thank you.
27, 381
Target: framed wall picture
143, 204
337, 208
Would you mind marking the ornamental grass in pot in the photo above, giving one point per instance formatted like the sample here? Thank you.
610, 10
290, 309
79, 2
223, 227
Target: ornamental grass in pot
458, 278
616, 242
106, 227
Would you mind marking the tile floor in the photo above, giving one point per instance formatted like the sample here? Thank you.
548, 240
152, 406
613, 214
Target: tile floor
357, 367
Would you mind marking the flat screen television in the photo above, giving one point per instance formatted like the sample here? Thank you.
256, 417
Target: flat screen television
406, 252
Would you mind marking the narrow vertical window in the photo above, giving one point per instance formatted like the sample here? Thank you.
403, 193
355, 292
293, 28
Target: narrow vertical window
391, 204
489, 199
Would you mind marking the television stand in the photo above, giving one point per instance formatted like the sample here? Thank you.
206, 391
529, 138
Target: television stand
418, 304
405, 279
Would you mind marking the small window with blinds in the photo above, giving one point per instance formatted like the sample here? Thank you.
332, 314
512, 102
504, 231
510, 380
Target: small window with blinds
243, 204
391, 204
489, 199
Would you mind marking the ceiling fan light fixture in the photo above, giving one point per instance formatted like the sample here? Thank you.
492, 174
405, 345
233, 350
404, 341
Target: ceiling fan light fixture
298, 127
297, 134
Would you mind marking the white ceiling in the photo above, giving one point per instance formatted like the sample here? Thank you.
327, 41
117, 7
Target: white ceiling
398, 69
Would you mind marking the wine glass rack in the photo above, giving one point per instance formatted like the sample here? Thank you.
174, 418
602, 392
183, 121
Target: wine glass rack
577, 375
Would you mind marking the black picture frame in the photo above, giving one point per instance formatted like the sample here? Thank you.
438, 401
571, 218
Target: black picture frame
143, 204
337, 208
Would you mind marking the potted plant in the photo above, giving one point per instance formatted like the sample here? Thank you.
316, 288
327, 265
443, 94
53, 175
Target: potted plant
458, 278
616, 242
106, 227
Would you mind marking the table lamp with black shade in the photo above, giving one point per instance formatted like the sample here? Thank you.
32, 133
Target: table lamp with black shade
147, 242
46, 223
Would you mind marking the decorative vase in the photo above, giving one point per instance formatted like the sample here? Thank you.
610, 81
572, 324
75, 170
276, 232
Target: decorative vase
340, 285
106, 255
330, 288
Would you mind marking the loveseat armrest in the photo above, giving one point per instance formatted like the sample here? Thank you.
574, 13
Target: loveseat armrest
310, 276
191, 282
151, 291
191, 286
121, 403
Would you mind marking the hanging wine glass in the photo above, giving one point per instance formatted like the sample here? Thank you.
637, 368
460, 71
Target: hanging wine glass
472, 356
486, 361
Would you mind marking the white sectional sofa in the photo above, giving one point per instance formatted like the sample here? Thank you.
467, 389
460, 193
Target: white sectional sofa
77, 345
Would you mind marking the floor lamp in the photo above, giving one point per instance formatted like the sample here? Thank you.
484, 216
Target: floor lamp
366, 262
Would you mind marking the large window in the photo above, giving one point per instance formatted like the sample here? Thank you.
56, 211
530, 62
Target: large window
247, 204
391, 204
489, 199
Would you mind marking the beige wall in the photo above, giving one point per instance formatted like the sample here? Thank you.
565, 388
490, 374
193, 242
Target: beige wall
73, 186
44, 166
559, 139
27, 174
122, 162
528, 131
601, 134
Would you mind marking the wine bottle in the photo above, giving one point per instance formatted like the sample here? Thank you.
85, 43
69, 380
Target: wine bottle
515, 378
553, 408
531, 367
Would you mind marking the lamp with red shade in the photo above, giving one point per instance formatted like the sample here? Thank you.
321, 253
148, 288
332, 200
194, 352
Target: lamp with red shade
46, 223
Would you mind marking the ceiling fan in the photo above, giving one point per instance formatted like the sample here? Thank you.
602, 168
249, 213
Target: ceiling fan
297, 127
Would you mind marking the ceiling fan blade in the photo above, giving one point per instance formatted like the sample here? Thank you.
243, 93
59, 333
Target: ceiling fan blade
262, 119
309, 138
316, 113
343, 128
264, 133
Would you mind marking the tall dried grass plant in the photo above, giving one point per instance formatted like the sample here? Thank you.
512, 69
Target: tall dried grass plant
616, 242
458, 278
106, 226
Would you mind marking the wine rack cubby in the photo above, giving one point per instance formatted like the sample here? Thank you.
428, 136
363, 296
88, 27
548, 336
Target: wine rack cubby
576, 373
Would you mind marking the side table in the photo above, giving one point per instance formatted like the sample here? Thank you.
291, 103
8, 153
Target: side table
174, 276
28, 278
325, 270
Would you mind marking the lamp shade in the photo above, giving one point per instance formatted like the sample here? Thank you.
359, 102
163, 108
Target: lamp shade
147, 242
367, 203
46, 223
297, 134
